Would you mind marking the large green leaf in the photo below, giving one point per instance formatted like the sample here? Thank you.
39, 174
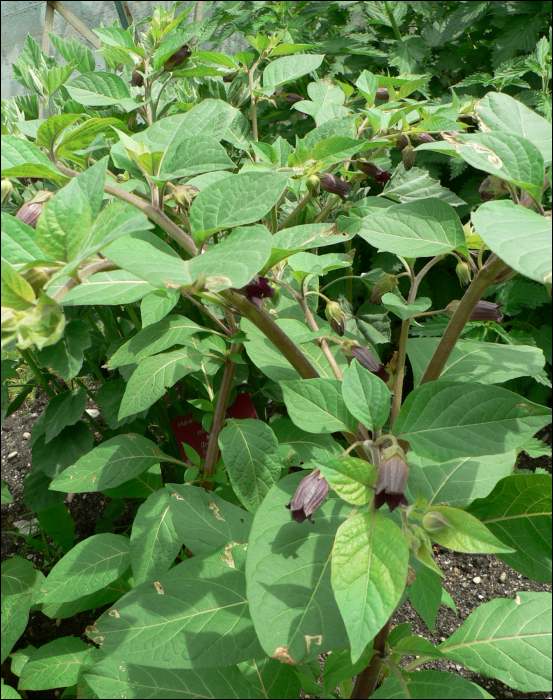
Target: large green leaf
15, 615
271, 679
111, 463
154, 374
297, 446
55, 664
334, 149
235, 201
458, 481
172, 330
64, 409
193, 155
66, 356
326, 103
20, 158
520, 237
19, 244
422, 228
443, 420
476, 361
350, 477
416, 183
508, 156
509, 640
250, 452
284, 70
194, 616
425, 594
424, 685
317, 406
308, 236
100, 89
288, 577
501, 112
109, 677
369, 568
204, 521
110, 288
89, 566
366, 396
518, 512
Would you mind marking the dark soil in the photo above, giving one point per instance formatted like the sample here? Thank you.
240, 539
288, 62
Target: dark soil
496, 579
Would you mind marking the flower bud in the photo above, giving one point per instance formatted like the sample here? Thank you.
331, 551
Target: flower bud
463, 273
313, 184
408, 156
31, 210
381, 94
365, 358
37, 278
177, 58
401, 142
184, 195
123, 177
425, 138
373, 171
483, 311
258, 288
492, 188
310, 494
229, 77
336, 317
387, 283
330, 183
7, 189
433, 521
293, 97
393, 474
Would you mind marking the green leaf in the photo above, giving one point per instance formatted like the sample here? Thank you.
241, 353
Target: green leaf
337, 126
98, 89
74, 51
425, 594
318, 264
284, 70
15, 615
194, 155
317, 406
520, 237
49, 131
20, 158
73, 442
242, 199
350, 477
459, 481
17, 293
430, 684
89, 566
443, 420
19, 577
66, 356
338, 666
423, 228
270, 678
401, 308
509, 640
64, 223
205, 521
366, 396
334, 149
155, 306
477, 361
518, 512
55, 664
63, 410
308, 236
501, 112
510, 157
153, 375
369, 568
416, 183
19, 244
84, 134
199, 612
297, 446
465, 533
116, 287
215, 57
288, 577
109, 677
111, 463
250, 453
367, 83
326, 103
172, 330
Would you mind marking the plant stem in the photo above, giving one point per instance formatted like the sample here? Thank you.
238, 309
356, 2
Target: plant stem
134, 317
390, 13
273, 332
326, 209
207, 312
482, 281
254, 109
296, 211
219, 414
37, 372
103, 266
368, 678
400, 371
321, 341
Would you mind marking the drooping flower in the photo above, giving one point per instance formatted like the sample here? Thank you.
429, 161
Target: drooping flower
258, 288
387, 283
381, 94
30, 211
137, 79
463, 273
373, 171
492, 187
293, 97
178, 57
393, 474
483, 311
425, 138
335, 317
330, 183
310, 494
369, 361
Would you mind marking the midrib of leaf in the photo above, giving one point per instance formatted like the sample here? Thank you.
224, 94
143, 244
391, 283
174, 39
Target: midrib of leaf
191, 615
259, 499
516, 517
445, 479
491, 640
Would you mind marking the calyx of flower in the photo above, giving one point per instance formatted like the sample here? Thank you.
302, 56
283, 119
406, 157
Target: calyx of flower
336, 317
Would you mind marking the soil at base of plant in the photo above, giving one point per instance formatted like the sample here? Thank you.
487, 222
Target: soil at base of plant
461, 570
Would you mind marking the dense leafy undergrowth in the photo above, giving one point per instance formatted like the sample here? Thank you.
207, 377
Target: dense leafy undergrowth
309, 288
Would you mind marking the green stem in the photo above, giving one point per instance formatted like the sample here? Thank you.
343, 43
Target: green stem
481, 282
349, 276
321, 341
326, 210
400, 371
296, 211
134, 317
95, 371
175, 399
26, 354
390, 13
254, 108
